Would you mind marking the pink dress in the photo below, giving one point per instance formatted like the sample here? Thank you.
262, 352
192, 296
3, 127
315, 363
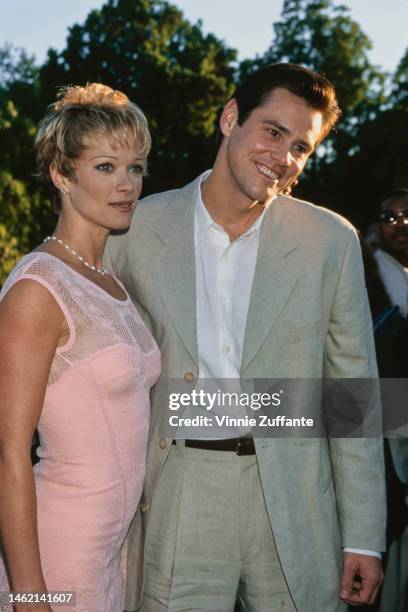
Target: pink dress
93, 435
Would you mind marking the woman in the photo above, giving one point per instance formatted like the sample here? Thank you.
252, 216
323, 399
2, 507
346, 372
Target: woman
80, 364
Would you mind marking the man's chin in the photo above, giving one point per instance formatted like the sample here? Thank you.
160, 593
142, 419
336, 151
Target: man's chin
267, 194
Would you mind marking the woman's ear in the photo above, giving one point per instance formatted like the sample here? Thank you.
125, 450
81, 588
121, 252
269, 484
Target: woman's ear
60, 181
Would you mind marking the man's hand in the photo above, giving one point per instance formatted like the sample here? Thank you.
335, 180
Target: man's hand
362, 577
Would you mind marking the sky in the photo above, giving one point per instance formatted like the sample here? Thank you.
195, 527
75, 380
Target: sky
244, 25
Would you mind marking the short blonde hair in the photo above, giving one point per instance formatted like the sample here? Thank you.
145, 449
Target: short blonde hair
79, 114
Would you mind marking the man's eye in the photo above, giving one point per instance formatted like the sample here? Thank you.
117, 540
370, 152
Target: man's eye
274, 133
105, 167
301, 149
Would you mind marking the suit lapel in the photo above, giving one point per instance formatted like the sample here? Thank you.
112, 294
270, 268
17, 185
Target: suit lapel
173, 264
276, 273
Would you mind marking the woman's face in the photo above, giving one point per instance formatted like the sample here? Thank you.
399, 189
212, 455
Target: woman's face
107, 183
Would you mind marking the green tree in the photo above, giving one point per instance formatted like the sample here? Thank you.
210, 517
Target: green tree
24, 211
399, 83
379, 165
377, 162
322, 35
9, 253
16, 66
19, 80
177, 74
25, 214
18, 97
16, 140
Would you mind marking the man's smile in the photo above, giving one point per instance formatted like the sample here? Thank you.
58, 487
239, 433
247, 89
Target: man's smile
265, 171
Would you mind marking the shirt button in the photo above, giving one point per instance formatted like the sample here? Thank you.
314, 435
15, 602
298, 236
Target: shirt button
162, 443
144, 508
227, 349
189, 377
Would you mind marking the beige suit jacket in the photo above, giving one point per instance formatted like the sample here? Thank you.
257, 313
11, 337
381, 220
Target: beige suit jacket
308, 318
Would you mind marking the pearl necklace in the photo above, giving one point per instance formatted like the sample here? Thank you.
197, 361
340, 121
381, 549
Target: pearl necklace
101, 271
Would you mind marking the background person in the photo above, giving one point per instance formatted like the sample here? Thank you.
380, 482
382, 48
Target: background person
392, 254
79, 364
242, 283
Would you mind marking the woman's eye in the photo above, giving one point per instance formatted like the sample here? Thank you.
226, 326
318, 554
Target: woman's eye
105, 167
137, 169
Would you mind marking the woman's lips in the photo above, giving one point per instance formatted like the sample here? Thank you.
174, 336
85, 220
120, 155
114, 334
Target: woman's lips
124, 207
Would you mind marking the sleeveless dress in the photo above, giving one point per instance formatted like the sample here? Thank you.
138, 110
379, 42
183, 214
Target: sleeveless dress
93, 436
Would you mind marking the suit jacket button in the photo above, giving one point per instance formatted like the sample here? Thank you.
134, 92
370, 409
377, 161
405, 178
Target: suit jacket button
144, 508
189, 377
162, 443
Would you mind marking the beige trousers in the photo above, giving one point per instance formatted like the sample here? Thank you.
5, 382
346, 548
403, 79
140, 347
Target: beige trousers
209, 542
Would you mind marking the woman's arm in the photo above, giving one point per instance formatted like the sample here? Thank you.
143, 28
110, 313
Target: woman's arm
31, 323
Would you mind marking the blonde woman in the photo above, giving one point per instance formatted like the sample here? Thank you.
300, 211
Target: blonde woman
77, 362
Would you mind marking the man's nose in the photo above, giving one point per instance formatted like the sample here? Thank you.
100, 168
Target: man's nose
282, 156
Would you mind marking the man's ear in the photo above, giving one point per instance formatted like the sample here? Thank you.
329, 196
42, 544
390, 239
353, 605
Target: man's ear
60, 181
229, 118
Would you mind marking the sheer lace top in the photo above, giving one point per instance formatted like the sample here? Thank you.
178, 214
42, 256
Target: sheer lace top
96, 320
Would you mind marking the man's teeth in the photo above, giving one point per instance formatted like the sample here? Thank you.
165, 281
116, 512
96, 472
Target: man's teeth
268, 172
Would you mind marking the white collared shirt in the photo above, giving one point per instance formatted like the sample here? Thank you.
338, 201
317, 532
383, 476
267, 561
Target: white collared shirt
395, 279
224, 275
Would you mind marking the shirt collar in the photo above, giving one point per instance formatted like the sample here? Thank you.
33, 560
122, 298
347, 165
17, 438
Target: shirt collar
203, 219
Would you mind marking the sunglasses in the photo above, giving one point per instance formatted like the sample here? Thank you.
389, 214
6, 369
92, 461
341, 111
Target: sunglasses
390, 217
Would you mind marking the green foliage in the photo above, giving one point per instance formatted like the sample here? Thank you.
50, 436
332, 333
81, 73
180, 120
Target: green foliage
15, 208
379, 164
9, 252
399, 85
26, 215
16, 66
19, 81
177, 74
322, 35
18, 87
16, 139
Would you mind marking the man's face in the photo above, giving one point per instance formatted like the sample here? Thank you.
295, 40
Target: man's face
394, 235
270, 149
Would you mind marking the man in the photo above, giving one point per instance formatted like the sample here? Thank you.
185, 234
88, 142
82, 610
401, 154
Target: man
392, 256
242, 284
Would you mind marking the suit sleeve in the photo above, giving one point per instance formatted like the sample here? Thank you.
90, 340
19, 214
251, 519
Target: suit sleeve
357, 463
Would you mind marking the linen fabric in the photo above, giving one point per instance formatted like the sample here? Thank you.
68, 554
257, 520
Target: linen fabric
93, 432
210, 537
308, 317
224, 275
